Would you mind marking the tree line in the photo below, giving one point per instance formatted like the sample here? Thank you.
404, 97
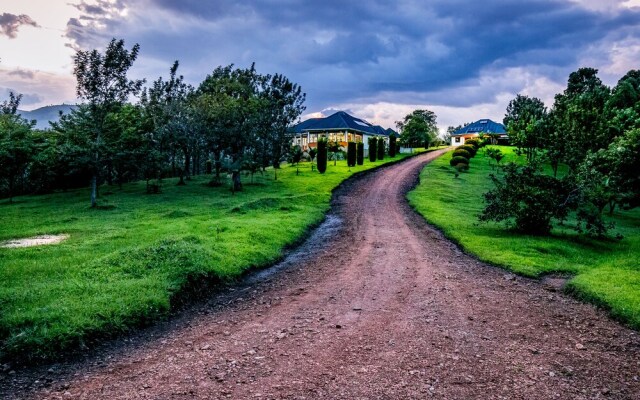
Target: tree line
590, 138
235, 119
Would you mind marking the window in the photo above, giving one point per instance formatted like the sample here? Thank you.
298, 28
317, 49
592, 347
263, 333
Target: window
457, 140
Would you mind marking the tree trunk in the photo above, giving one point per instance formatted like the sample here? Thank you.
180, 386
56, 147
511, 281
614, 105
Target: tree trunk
94, 190
237, 183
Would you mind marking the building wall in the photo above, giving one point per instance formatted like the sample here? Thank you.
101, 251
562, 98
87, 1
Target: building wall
459, 140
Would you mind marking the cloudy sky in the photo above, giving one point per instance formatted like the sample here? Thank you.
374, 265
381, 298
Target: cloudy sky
378, 59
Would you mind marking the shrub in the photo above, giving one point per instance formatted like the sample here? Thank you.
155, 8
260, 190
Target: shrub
462, 153
472, 150
392, 146
473, 142
322, 155
351, 154
295, 154
380, 148
458, 160
527, 199
209, 167
373, 141
360, 153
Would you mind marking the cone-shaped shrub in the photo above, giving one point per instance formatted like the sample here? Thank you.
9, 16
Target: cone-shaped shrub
322, 155
360, 153
351, 154
373, 141
380, 148
392, 146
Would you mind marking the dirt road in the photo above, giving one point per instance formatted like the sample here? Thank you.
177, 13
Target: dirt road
379, 306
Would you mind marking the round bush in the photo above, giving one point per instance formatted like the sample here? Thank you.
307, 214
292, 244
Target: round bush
473, 142
462, 153
472, 150
458, 160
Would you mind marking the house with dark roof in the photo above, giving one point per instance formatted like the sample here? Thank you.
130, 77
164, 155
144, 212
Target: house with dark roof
340, 127
490, 128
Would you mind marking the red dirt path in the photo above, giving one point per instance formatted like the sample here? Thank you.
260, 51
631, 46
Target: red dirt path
388, 309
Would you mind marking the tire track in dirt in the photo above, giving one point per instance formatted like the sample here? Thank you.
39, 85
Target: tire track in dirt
384, 308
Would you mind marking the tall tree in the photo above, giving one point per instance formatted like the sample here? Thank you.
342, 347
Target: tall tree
16, 144
103, 83
579, 118
525, 124
418, 129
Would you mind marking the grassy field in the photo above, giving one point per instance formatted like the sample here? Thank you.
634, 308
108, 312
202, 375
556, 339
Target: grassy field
604, 272
129, 263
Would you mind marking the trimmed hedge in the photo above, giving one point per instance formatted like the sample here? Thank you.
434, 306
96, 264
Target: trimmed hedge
322, 155
380, 148
472, 150
373, 152
458, 160
392, 146
462, 153
360, 153
351, 154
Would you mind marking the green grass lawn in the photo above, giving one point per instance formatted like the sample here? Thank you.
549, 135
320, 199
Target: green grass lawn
130, 262
604, 272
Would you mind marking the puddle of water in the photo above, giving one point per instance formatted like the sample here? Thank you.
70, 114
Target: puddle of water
34, 241
318, 241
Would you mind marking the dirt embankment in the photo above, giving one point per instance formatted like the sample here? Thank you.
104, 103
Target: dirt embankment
380, 306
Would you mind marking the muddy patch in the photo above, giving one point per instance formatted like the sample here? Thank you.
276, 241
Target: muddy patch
34, 241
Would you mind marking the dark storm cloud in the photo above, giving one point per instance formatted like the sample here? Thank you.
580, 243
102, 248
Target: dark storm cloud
10, 23
346, 51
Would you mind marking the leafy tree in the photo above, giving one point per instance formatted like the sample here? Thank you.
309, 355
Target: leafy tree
524, 121
334, 148
418, 128
608, 178
283, 104
295, 154
102, 82
16, 144
579, 118
527, 199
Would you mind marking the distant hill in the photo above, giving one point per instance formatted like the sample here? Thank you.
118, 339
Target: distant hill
45, 114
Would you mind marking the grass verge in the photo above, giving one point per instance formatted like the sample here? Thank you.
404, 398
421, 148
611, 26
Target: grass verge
605, 272
129, 262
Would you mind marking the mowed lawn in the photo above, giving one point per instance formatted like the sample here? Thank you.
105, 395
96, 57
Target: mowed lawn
128, 263
606, 272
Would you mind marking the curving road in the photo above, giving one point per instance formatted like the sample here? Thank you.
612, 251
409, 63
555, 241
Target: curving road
376, 305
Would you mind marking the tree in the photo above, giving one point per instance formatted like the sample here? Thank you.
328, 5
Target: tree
527, 199
525, 125
380, 148
418, 129
579, 117
16, 144
284, 103
360, 153
334, 148
392, 145
102, 82
322, 155
351, 154
373, 144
